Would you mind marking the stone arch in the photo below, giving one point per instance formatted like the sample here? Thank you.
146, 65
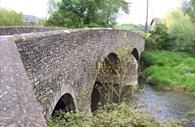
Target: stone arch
65, 103
66, 91
111, 60
135, 53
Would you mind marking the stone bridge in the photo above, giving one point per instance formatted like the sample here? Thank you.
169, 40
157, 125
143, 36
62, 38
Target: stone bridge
43, 69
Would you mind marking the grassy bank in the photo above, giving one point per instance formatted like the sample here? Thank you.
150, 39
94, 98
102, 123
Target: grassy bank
169, 69
113, 115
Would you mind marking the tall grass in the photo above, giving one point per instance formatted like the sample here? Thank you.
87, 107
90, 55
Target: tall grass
173, 69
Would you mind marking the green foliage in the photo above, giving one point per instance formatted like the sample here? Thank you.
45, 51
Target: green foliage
180, 28
189, 8
192, 114
115, 115
183, 31
158, 38
172, 69
10, 18
52, 6
42, 22
175, 32
87, 13
131, 27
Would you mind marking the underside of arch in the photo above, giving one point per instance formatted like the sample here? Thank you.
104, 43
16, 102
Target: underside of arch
135, 53
106, 82
65, 103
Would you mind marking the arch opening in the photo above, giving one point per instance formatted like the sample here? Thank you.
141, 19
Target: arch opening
65, 104
105, 89
135, 54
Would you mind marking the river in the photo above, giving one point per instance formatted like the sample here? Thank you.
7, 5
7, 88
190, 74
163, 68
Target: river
165, 105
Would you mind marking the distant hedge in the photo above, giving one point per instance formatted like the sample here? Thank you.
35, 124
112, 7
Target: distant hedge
10, 18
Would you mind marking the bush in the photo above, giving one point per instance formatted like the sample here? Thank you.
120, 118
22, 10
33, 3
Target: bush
158, 38
181, 29
175, 32
10, 18
114, 115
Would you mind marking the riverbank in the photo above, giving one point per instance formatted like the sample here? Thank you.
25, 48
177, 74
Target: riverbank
169, 70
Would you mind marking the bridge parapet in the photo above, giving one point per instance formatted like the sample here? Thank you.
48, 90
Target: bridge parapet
18, 105
9, 30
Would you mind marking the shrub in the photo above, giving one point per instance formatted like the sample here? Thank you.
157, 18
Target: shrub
114, 115
158, 38
180, 28
10, 18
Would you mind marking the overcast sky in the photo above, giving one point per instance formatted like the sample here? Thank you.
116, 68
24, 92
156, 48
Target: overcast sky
157, 8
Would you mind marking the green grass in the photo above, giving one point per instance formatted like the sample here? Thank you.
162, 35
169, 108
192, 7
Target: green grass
192, 114
172, 69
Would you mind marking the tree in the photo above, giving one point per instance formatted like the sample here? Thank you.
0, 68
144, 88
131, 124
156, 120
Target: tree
189, 8
87, 13
183, 31
180, 28
158, 38
10, 18
52, 6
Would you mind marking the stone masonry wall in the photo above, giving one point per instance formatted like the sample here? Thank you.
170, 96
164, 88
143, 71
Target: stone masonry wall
43, 66
18, 106
68, 60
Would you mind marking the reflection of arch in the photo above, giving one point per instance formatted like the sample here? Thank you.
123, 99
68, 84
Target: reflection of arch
65, 103
135, 54
111, 63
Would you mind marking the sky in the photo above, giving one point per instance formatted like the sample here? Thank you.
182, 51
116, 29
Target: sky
137, 15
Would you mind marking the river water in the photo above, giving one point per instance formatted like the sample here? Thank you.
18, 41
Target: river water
166, 105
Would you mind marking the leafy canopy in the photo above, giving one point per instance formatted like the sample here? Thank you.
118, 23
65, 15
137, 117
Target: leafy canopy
189, 8
87, 13
10, 18
175, 32
180, 28
158, 38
